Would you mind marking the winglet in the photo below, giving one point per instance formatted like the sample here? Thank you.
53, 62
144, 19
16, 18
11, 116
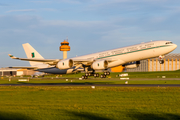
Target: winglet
11, 56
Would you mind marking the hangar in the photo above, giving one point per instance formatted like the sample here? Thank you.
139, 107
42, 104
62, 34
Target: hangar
16, 72
171, 63
7, 72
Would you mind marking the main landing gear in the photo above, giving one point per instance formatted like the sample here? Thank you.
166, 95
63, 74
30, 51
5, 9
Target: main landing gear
105, 74
84, 77
90, 74
95, 75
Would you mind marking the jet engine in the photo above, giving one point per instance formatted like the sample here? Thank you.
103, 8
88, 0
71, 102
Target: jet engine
132, 65
65, 64
99, 65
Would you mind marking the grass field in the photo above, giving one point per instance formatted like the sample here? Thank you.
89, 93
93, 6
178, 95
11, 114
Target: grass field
172, 77
85, 103
168, 74
89, 81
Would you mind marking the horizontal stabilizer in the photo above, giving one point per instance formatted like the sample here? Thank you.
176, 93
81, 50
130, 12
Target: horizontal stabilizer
23, 67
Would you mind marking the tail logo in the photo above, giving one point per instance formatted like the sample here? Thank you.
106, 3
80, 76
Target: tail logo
33, 55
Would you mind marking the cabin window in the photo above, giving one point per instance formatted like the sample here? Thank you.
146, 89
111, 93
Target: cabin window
169, 43
65, 44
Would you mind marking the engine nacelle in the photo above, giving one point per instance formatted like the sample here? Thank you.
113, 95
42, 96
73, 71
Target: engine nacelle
132, 65
99, 65
65, 64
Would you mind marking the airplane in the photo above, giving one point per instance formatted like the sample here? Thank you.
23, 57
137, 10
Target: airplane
128, 57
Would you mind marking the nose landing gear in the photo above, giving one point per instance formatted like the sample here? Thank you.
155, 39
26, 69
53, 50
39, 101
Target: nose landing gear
161, 61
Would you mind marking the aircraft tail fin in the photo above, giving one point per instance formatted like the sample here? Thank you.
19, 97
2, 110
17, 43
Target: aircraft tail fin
31, 53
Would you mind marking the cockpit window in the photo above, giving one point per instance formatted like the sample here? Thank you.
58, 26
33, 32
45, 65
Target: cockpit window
169, 43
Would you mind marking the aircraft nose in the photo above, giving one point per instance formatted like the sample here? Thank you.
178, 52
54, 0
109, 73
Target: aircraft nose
175, 46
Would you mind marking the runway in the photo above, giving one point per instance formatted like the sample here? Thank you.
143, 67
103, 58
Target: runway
85, 84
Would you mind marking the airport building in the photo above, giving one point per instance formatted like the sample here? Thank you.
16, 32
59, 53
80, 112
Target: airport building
171, 63
16, 72
64, 47
8, 72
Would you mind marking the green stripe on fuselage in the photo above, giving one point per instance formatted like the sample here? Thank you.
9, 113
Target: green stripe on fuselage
133, 51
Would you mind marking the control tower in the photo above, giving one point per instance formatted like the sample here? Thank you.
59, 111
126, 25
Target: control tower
64, 47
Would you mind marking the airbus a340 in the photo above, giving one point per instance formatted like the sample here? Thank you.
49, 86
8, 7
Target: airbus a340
98, 61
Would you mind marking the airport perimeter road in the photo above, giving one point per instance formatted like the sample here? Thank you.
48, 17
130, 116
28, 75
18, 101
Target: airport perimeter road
105, 85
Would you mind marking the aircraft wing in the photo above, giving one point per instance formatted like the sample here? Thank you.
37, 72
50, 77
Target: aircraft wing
91, 60
87, 62
47, 61
82, 61
77, 62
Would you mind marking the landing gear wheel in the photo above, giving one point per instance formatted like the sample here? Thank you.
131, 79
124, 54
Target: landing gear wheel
96, 74
161, 61
83, 77
87, 74
103, 76
107, 73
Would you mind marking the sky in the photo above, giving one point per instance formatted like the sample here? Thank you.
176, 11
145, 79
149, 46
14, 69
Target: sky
90, 26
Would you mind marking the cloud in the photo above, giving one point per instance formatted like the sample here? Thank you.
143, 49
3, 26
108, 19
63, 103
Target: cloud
41, 1
77, 24
49, 9
63, 1
75, 1
128, 6
23, 28
2, 4
4, 53
23, 10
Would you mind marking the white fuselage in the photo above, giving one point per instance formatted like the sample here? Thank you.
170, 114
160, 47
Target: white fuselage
132, 53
